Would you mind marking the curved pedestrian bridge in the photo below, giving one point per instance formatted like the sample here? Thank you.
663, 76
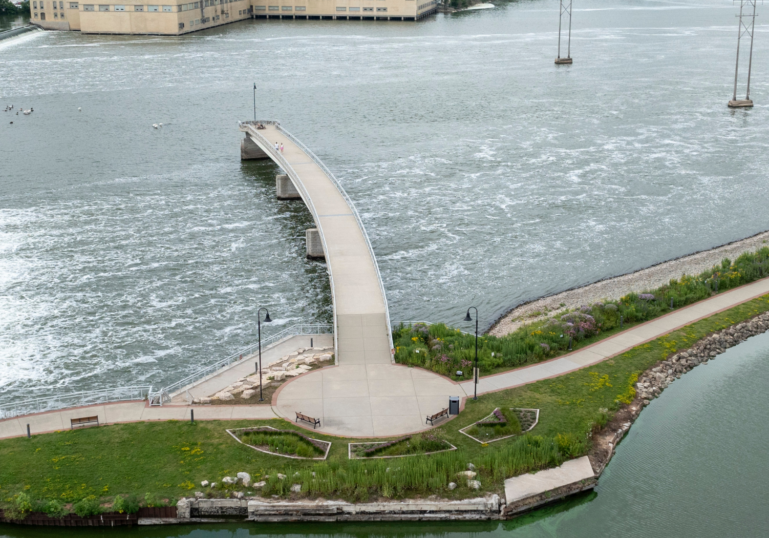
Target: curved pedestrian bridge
365, 394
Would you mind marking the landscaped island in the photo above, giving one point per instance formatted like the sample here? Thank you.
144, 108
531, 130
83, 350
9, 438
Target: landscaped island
154, 464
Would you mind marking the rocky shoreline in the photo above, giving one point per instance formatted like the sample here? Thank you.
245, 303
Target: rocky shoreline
656, 379
616, 287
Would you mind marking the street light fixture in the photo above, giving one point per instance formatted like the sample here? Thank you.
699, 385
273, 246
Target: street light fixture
475, 370
254, 101
259, 325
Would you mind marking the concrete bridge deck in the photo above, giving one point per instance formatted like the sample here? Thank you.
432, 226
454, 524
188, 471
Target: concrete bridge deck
361, 319
365, 394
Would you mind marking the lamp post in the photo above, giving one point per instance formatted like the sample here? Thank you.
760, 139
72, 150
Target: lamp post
475, 370
254, 101
259, 325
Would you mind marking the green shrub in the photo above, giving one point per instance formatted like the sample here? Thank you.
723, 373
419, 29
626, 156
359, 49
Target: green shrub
87, 507
54, 508
19, 507
132, 504
283, 442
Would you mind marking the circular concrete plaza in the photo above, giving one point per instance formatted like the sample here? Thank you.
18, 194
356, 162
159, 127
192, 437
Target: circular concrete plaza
367, 400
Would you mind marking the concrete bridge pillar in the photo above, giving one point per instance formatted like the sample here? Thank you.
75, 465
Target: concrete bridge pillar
285, 188
314, 244
249, 150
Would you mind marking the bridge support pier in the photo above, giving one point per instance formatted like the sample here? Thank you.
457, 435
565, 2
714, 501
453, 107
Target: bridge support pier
285, 188
249, 150
314, 244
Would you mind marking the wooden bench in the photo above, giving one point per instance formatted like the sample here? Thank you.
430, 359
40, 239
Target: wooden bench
432, 418
305, 418
84, 422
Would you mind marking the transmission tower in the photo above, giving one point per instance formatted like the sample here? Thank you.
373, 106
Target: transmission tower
566, 8
745, 28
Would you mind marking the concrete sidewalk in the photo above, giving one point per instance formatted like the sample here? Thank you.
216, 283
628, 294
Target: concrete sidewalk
622, 342
122, 412
370, 399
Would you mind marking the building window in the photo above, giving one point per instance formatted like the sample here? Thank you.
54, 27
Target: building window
138, 8
119, 8
341, 8
381, 9
286, 8
35, 14
61, 5
86, 7
181, 26
34, 5
62, 15
103, 7
274, 8
368, 9
167, 9
55, 14
73, 5
42, 5
260, 8
300, 8
354, 9
152, 8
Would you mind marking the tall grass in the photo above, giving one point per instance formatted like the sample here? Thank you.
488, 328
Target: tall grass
359, 479
446, 350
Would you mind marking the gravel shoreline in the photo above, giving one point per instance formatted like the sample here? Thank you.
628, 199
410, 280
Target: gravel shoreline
616, 287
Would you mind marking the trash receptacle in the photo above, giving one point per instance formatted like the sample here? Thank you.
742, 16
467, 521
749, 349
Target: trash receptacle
453, 405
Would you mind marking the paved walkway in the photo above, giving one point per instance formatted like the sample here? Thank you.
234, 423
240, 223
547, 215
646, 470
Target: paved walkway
620, 343
365, 400
135, 411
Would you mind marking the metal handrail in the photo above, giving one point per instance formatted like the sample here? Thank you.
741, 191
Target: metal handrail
166, 393
74, 399
350, 203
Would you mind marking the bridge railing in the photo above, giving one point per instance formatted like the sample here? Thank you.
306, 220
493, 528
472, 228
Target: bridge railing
296, 180
350, 203
73, 399
167, 393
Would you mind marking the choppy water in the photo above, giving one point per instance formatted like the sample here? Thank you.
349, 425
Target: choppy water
484, 174
692, 466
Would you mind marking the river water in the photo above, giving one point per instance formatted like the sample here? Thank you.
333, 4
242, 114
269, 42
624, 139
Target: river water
484, 174
692, 466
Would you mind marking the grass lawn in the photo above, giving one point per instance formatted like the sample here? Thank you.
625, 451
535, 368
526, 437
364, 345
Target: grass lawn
170, 459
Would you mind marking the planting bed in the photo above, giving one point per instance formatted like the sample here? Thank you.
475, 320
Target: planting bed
502, 424
410, 445
285, 443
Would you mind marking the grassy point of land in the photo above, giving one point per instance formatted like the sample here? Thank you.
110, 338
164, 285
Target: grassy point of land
167, 460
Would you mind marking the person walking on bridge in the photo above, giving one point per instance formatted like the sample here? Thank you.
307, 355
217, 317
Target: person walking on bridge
277, 148
281, 147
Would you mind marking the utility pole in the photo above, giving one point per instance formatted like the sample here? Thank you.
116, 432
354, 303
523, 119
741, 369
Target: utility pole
565, 7
745, 28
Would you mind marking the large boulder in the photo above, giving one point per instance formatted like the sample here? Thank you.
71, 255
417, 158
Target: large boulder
244, 478
225, 396
247, 394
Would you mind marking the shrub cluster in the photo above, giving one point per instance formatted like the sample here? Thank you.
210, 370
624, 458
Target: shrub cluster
284, 442
448, 351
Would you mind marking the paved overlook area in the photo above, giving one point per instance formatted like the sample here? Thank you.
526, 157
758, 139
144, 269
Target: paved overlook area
320, 388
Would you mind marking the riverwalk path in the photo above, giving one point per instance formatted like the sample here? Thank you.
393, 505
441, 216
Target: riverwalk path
344, 386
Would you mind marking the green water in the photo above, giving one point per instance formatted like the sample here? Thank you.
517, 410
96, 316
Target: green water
693, 465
